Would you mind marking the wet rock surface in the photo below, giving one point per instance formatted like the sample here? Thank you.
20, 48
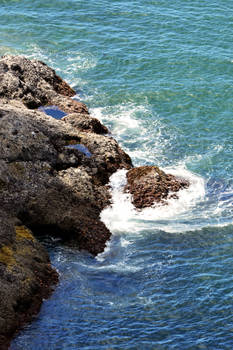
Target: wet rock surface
53, 180
149, 185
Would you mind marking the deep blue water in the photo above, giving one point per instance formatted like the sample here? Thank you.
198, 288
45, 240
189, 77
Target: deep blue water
159, 74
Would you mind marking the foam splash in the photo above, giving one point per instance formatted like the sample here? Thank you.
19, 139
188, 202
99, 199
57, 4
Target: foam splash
81, 60
122, 217
139, 131
68, 64
122, 116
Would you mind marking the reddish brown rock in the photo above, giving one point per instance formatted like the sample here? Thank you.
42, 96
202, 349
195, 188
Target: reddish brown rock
149, 185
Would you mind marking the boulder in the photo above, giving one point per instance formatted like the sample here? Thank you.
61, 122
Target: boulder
149, 185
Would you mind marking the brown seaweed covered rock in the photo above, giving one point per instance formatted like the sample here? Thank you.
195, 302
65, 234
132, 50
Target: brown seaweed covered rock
149, 185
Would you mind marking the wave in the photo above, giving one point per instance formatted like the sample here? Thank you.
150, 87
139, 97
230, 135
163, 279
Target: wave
138, 130
122, 216
149, 141
69, 64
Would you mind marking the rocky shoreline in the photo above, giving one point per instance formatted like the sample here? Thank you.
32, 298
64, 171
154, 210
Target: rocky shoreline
54, 178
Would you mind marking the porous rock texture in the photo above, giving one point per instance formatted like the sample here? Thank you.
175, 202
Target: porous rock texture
47, 184
26, 276
149, 185
35, 84
86, 123
54, 178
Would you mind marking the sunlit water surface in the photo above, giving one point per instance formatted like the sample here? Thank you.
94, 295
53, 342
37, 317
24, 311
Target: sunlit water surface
159, 74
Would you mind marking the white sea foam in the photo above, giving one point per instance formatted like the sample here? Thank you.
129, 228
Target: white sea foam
139, 131
81, 60
122, 217
121, 117
67, 65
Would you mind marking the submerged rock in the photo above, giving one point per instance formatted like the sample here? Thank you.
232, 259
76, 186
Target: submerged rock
149, 185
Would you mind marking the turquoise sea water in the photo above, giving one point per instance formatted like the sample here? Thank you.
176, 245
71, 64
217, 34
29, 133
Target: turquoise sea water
159, 74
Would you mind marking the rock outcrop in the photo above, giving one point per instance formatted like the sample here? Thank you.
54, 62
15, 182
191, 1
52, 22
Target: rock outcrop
149, 185
47, 184
85, 122
26, 276
35, 84
53, 172
53, 179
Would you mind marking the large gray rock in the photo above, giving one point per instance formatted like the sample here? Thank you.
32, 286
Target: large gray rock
45, 183
53, 179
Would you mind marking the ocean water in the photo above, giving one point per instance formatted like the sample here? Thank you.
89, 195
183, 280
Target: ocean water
159, 74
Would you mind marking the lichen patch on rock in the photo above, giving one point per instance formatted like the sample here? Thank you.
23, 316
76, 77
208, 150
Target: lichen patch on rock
7, 256
23, 233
